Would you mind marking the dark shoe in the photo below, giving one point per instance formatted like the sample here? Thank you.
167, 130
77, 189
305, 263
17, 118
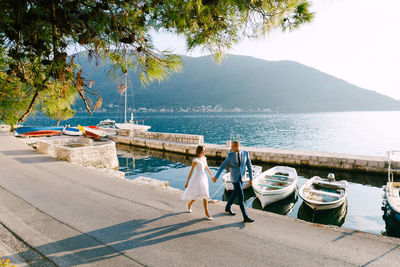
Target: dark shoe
248, 220
230, 212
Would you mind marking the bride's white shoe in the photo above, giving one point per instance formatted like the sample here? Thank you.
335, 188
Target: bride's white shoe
209, 218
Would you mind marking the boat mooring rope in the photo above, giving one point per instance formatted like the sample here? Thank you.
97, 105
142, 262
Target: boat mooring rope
254, 198
217, 191
313, 215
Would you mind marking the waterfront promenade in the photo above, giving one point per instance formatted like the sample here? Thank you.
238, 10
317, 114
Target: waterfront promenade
69, 215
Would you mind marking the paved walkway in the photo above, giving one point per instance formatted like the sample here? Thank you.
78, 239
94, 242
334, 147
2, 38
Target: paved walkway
72, 215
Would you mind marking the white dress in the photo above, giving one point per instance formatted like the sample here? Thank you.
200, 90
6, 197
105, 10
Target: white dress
198, 183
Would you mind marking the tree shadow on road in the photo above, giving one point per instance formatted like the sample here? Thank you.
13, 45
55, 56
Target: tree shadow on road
118, 239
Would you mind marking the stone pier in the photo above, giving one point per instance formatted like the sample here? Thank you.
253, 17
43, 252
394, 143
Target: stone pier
186, 144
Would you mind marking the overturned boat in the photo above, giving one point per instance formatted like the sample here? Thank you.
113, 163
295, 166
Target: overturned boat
72, 131
37, 131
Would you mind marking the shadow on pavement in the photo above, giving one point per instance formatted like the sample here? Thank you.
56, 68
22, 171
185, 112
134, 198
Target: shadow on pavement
118, 239
36, 159
22, 152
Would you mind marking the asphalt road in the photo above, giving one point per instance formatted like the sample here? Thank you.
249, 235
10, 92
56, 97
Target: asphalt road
71, 215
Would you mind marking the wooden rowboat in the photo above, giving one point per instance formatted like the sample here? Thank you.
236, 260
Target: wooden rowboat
321, 194
275, 184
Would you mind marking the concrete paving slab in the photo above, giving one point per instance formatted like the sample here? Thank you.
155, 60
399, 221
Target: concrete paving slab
78, 216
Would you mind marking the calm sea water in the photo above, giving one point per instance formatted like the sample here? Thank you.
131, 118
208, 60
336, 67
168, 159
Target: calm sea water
366, 133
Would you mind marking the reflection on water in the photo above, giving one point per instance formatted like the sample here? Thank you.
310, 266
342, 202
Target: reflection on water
283, 206
161, 165
334, 216
248, 196
140, 153
364, 198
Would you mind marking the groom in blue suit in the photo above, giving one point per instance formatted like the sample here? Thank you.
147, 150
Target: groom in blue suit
237, 160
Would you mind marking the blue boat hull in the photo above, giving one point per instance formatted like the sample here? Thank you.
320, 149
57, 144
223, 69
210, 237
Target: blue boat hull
28, 129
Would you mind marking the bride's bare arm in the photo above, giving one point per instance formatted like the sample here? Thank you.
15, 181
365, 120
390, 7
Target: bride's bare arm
209, 172
190, 173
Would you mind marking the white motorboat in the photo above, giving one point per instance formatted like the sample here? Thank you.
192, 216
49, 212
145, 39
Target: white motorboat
392, 190
275, 184
108, 127
322, 194
132, 125
246, 180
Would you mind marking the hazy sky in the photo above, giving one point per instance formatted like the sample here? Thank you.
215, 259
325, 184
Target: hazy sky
355, 40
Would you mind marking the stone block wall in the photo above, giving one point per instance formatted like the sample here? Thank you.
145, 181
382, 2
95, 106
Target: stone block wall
322, 160
101, 155
171, 137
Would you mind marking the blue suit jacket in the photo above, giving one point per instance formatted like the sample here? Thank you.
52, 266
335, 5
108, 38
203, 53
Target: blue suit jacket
237, 171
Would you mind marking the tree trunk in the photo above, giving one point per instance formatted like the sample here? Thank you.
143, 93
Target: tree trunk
30, 108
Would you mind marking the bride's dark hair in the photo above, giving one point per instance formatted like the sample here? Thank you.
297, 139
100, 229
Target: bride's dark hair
199, 149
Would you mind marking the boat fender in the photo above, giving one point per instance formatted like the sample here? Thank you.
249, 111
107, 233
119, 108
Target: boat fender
331, 177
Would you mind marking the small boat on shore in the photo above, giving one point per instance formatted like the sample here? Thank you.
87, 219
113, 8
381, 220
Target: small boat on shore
392, 190
275, 184
41, 133
322, 194
71, 131
92, 132
36, 131
246, 180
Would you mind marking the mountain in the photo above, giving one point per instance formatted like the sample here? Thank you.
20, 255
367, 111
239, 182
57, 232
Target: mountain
246, 83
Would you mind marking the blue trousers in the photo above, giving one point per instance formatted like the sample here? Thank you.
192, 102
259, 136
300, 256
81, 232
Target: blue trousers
237, 192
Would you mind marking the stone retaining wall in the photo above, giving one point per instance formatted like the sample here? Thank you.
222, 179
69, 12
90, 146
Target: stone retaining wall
88, 153
357, 163
171, 137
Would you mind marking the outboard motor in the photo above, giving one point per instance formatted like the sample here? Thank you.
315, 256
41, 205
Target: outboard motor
331, 177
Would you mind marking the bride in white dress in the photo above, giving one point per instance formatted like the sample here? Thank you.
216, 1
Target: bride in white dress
197, 186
